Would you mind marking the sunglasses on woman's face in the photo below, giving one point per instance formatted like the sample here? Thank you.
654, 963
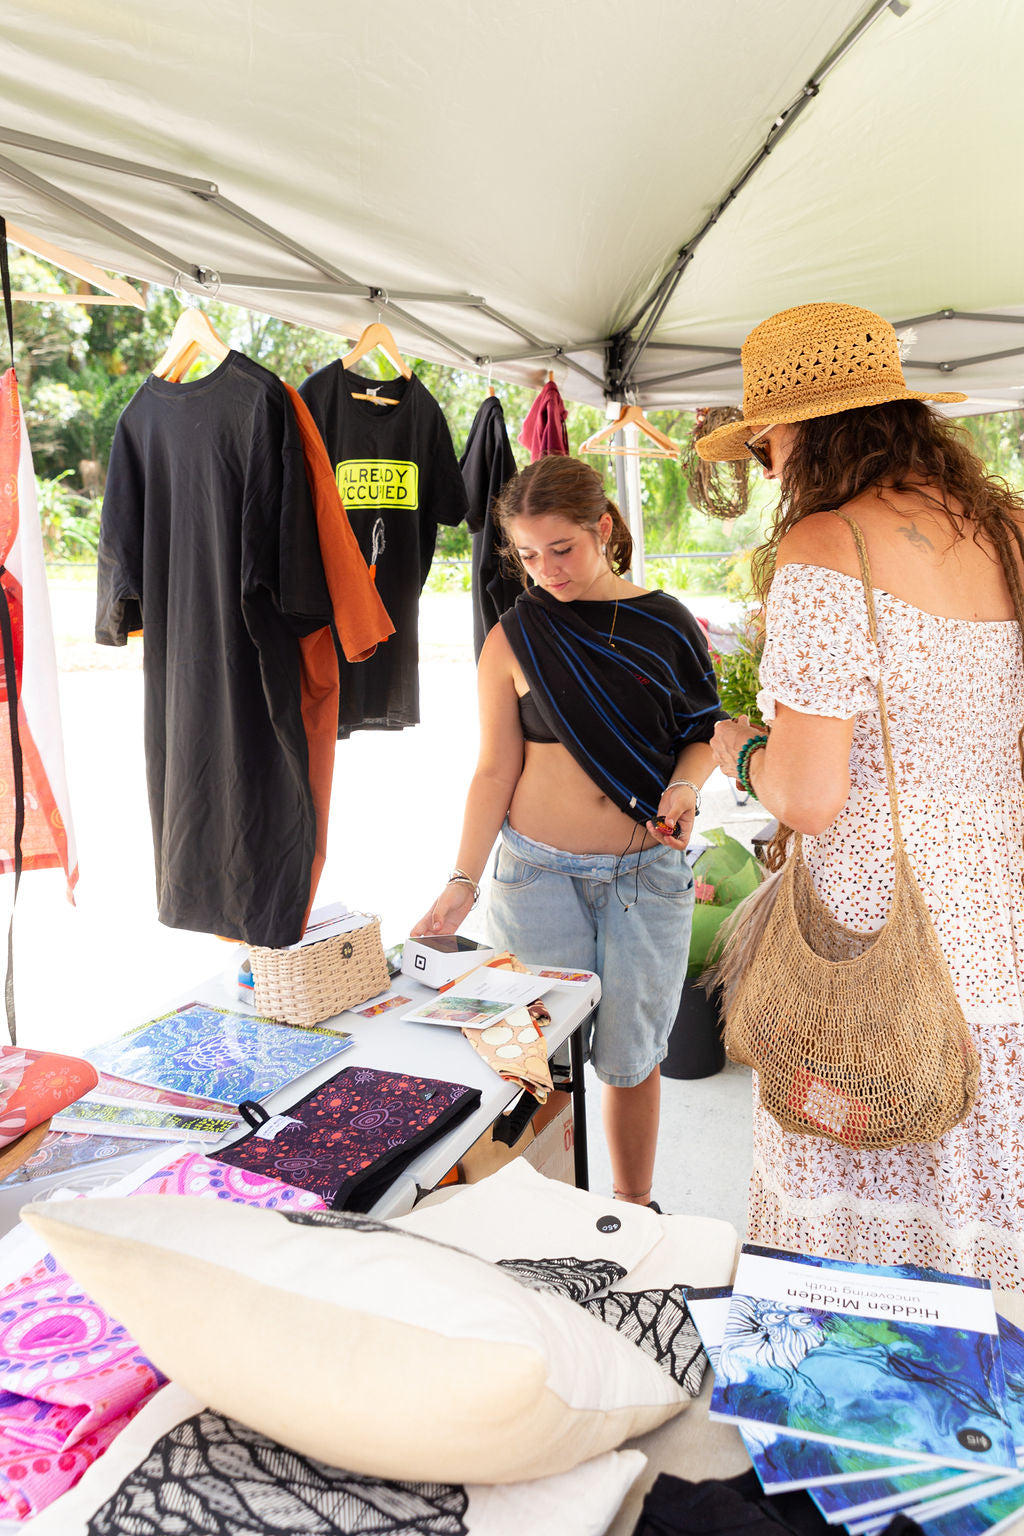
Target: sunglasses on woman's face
761, 450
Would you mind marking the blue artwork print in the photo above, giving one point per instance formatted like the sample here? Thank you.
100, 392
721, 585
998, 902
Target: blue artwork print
938, 1393
837, 1352
217, 1053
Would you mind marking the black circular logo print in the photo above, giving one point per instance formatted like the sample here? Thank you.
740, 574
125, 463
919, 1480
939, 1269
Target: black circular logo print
608, 1223
974, 1439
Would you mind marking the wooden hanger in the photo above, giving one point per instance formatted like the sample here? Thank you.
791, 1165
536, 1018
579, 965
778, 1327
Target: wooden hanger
662, 446
192, 334
114, 289
377, 337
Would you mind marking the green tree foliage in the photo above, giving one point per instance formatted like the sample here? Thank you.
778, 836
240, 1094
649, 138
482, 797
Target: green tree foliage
78, 367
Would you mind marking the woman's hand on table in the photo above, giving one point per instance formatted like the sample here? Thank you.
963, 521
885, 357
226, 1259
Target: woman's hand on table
452, 906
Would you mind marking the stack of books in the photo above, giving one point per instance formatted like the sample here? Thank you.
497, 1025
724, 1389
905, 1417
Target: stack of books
181, 1077
880, 1390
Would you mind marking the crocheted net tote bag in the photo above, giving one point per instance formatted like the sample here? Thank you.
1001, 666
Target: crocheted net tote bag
857, 1037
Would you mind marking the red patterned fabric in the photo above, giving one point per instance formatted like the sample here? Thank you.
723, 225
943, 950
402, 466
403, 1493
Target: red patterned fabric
47, 840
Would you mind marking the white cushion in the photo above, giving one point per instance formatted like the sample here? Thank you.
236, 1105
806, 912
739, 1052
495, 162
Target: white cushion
359, 1344
517, 1213
576, 1503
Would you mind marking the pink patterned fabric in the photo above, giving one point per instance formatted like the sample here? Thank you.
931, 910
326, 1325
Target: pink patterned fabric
70, 1376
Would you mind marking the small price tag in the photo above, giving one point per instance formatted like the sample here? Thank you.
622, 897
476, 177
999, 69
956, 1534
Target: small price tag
275, 1125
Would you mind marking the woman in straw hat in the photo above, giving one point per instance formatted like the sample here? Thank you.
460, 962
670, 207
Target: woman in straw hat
827, 413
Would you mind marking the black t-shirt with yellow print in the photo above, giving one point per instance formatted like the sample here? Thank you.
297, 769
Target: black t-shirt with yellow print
399, 478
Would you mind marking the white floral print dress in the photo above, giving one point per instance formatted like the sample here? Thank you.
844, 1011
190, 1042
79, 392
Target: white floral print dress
954, 691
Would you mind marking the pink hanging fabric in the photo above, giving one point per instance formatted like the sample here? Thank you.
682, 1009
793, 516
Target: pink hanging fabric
544, 428
71, 1377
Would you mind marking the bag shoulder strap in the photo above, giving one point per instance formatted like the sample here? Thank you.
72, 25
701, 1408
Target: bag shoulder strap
869, 598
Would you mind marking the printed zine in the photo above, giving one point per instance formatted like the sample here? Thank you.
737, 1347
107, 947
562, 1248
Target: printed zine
784, 1462
900, 1361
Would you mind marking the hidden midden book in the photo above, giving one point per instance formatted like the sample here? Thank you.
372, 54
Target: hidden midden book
897, 1360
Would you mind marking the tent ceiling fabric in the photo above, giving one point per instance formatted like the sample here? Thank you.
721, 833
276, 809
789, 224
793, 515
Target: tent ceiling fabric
549, 161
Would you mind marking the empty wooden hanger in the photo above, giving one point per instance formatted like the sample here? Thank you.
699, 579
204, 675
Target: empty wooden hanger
114, 289
659, 445
375, 338
192, 334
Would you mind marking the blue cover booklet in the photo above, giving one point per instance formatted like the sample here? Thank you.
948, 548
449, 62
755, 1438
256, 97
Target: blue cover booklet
898, 1360
784, 1462
943, 1490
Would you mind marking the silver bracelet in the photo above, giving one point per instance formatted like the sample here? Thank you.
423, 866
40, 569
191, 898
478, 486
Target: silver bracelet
685, 784
459, 877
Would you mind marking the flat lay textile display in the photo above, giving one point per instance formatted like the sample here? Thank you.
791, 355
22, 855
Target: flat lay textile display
209, 539
544, 430
855, 1037
615, 700
217, 1053
349, 1138
487, 465
398, 476
71, 1377
35, 1085
402, 1311
184, 1468
63, 1151
956, 1205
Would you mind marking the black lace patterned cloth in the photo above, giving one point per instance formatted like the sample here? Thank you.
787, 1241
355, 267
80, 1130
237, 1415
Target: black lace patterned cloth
211, 1476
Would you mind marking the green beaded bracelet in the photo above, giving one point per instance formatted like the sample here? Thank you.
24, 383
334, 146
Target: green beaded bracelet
746, 752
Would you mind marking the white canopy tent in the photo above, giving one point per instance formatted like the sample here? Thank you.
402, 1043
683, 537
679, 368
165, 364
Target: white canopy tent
615, 189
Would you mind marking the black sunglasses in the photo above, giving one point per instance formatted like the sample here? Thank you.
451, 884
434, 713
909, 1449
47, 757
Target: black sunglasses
761, 451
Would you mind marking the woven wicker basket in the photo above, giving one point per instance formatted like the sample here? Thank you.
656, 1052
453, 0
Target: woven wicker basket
307, 985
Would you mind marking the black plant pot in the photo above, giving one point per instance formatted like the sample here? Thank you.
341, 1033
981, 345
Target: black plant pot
695, 1046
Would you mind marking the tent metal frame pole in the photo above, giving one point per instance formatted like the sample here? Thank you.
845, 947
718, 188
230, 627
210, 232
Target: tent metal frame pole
208, 192
550, 351
634, 501
535, 341
655, 305
688, 346
61, 151
346, 290
966, 362
961, 314
35, 183
688, 373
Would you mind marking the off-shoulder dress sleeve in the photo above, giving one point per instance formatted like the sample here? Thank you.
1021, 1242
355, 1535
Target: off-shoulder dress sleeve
819, 657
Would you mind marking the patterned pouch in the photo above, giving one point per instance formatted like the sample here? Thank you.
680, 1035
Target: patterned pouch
34, 1085
349, 1139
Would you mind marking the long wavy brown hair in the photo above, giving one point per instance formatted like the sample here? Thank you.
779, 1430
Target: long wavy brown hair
908, 447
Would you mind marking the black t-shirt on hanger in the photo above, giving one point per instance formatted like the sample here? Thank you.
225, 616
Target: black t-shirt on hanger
399, 478
209, 539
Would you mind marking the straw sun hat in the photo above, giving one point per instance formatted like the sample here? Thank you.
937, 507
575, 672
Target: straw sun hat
814, 360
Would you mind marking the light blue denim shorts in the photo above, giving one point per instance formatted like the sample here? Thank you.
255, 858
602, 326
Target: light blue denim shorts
567, 909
